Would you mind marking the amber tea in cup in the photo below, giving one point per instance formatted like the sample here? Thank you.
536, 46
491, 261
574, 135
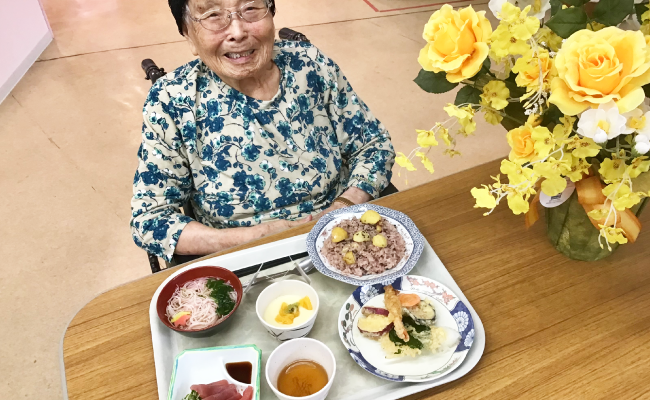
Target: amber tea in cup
302, 378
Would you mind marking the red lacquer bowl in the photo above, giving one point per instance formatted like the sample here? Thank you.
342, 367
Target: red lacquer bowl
189, 275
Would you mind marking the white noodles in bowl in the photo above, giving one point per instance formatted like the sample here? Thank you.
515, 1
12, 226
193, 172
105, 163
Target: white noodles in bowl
194, 296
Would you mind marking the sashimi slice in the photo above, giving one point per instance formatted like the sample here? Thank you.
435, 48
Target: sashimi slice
209, 389
248, 394
235, 396
225, 394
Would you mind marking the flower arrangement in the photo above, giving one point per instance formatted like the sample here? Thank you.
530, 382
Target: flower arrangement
571, 93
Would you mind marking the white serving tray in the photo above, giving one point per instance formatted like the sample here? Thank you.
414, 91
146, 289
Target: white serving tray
355, 384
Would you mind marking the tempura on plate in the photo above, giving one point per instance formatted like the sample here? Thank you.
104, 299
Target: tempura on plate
406, 326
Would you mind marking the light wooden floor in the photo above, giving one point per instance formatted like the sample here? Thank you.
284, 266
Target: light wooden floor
70, 130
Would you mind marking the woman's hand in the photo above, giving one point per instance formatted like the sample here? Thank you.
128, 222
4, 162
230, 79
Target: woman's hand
355, 195
335, 206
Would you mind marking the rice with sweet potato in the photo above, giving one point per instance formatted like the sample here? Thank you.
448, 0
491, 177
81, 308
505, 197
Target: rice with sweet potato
369, 259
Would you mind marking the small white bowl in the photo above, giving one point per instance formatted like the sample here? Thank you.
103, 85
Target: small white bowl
281, 288
300, 349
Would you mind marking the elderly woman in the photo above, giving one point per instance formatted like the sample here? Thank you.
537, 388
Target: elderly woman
258, 135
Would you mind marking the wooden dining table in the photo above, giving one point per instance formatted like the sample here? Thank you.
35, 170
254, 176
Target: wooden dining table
555, 328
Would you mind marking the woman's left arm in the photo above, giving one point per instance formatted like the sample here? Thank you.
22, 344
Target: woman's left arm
365, 143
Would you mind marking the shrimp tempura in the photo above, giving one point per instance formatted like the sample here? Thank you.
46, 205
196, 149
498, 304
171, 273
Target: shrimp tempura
394, 308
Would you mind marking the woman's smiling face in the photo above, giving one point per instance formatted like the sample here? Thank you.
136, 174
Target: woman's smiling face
241, 50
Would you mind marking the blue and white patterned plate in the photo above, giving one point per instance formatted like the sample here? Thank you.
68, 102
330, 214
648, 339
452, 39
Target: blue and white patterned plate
450, 313
323, 228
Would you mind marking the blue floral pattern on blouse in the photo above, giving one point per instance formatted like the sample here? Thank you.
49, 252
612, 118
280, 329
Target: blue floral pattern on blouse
242, 161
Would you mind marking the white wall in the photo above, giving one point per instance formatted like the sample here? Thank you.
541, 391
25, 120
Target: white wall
24, 34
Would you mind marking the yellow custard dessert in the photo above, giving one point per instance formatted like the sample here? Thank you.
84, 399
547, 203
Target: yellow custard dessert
288, 310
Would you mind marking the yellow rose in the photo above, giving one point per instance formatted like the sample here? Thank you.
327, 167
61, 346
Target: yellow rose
522, 143
456, 42
597, 67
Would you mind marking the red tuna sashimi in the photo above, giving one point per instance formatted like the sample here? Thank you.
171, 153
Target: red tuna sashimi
227, 392
235, 396
248, 394
209, 389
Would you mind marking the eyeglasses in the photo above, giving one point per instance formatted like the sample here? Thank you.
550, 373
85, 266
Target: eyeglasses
219, 19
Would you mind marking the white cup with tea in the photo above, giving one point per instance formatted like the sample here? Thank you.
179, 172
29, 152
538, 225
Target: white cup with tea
300, 367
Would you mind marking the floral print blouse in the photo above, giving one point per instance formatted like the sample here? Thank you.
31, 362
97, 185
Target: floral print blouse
242, 161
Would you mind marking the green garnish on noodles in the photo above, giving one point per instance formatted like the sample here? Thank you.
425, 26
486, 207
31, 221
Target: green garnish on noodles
220, 292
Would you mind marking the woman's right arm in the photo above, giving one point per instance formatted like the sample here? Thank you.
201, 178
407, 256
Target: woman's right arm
163, 180
198, 239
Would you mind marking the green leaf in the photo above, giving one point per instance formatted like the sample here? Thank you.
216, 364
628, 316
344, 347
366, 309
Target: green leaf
640, 9
552, 116
433, 82
487, 63
511, 84
613, 12
568, 21
408, 321
515, 116
468, 94
556, 5
412, 343
575, 3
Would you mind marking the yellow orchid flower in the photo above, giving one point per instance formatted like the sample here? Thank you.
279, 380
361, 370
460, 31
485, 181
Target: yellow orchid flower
552, 40
534, 120
583, 147
518, 22
560, 133
612, 170
544, 141
403, 161
528, 69
554, 185
465, 116
613, 235
490, 115
426, 138
504, 43
509, 13
551, 170
516, 173
451, 153
459, 112
444, 134
600, 214
578, 168
425, 161
639, 165
495, 94
563, 130
517, 203
622, 196
484, 199
645, 28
